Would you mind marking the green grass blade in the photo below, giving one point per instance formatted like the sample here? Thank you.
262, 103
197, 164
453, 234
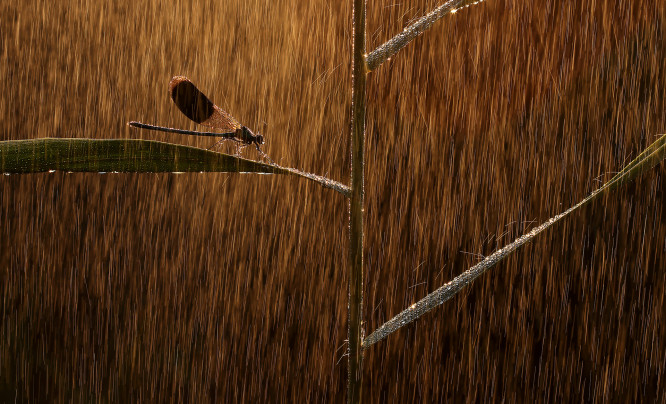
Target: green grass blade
650, 157
388, 49
654, 154
131, 155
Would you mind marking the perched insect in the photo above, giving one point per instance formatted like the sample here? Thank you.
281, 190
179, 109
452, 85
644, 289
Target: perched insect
196, 106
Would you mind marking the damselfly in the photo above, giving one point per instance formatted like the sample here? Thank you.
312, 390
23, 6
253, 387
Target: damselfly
196, 106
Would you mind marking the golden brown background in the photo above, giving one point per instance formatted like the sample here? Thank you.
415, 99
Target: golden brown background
204, 287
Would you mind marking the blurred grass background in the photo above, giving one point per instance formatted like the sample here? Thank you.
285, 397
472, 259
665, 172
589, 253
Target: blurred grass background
204, 287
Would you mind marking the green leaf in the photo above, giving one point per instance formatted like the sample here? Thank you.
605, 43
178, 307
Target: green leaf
649, 158
131, 155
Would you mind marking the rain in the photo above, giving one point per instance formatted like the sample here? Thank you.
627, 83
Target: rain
220, 287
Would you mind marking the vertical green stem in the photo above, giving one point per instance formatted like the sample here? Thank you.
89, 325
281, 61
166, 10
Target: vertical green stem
355, 360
